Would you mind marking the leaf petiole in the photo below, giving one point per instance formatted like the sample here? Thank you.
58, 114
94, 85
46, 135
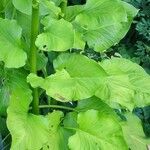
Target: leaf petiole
57, 106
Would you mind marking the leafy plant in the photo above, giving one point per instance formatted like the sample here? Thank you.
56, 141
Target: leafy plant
135, 45
77, 111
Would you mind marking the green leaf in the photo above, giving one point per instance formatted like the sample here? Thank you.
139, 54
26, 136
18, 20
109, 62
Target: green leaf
71, 120
25, 6
115, 90
72, 12
41, 61
62, 87
72, 82
101, 27
79, 66
78, 41
14, 85
94, 103
99, 130
54, 37
10, 41
36, 132
24, 21
26, 128
33, 132
127, 83
133, 133
3, 4
121, 66
49, 8
46, 7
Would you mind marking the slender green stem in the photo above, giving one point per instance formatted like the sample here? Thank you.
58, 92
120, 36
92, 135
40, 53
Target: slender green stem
33, 52
58, 106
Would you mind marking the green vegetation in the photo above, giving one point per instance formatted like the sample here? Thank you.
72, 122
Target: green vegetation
52, 96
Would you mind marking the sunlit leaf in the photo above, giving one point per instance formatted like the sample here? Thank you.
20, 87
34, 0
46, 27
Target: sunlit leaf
78, 66
77, 79
63, 87
54, 37
26, 128
127, 83
99, 130
35, 132
101, 27
10, 41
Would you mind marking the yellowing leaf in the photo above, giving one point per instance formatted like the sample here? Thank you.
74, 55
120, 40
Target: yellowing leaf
99, 130
77, 78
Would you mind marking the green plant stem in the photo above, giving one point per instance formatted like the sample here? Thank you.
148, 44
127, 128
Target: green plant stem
33, 52
58, 106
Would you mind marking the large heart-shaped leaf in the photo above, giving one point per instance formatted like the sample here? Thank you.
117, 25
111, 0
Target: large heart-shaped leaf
99, 130
63, 87
36, 132
29, 131
78, 80
127, 83
10, 41
101, 27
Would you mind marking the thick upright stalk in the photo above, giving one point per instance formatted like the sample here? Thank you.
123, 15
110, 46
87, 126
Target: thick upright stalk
33, 52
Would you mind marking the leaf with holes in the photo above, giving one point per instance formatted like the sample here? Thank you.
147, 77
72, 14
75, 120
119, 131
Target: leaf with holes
54, 37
